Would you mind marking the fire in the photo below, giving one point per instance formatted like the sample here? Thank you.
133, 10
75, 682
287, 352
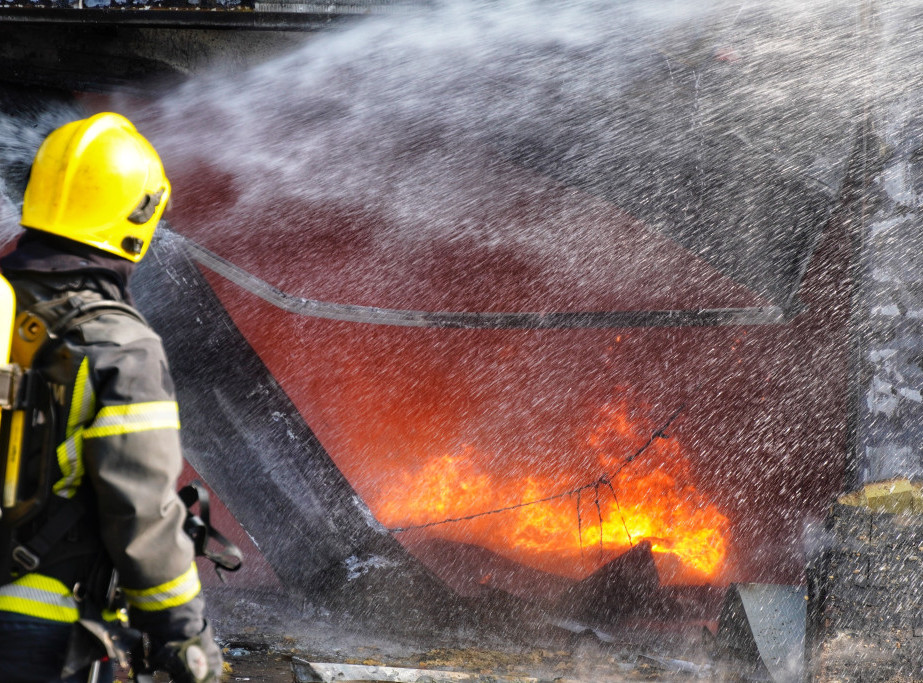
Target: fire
579, 527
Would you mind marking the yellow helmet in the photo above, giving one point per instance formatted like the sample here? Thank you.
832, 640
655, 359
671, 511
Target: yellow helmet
97, 181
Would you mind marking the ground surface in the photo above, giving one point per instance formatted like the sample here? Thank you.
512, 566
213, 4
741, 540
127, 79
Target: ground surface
276, 667
261, 632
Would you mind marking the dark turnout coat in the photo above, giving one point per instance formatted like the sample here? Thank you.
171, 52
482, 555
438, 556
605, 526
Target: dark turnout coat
118, 453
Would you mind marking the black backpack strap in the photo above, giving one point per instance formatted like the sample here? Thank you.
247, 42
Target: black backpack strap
56, 317
200, 530
82, 311
27, 557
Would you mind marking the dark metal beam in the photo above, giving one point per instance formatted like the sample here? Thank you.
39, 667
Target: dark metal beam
758, 315
185, 18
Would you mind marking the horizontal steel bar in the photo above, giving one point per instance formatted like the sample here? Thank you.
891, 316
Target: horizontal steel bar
240, 19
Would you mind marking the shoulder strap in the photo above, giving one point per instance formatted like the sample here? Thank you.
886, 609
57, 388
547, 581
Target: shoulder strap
201, 531
47, 321
84, 311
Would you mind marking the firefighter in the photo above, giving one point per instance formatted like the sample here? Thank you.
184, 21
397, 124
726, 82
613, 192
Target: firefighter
96, 192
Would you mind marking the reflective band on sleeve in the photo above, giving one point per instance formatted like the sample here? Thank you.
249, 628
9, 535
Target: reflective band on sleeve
133, 417
70, 460
70, 452
82, 400
179, 591
39, 596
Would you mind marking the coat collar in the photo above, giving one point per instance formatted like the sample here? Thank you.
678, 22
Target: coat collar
66, 265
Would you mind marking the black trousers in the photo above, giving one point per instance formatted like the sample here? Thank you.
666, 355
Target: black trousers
32, 651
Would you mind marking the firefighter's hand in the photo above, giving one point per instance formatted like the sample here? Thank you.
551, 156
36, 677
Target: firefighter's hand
197, 660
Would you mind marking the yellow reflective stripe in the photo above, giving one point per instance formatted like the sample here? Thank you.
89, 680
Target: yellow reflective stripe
70, 460
134, 417
119, 615
70, 452
83, 399
179, 591
39, 596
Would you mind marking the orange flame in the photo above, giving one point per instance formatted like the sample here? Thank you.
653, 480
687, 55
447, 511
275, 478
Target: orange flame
653, 501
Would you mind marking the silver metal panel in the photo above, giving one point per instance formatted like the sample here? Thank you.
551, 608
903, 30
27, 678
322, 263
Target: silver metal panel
776, 616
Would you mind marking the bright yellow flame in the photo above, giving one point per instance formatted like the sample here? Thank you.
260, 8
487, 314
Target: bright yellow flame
654, 505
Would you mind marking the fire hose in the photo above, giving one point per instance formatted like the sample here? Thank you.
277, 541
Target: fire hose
757, 315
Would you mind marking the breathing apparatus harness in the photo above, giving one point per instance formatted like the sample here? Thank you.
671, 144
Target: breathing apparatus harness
28, 443
29, 431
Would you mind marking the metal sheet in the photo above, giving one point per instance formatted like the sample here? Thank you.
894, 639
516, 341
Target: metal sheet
242, 433
772, 618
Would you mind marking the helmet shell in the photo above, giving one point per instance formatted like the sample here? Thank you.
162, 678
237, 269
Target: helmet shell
99, 182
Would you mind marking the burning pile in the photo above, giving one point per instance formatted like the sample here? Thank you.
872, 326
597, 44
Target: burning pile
555, 520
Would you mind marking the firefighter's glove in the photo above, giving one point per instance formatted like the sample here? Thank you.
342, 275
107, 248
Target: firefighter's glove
197, 660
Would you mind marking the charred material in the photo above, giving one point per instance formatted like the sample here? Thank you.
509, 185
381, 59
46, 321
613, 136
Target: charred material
623, 587
470, 570
864, 577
